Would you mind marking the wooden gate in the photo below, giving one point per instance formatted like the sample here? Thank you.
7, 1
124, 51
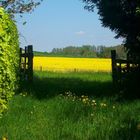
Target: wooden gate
26, 63
121, 68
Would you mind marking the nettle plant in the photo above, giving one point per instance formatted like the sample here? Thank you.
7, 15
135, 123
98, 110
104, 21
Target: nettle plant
9, 59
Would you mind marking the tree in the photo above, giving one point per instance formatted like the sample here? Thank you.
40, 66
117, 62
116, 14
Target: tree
19, 6
122, 17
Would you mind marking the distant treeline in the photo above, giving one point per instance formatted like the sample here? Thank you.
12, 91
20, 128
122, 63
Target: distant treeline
85, 51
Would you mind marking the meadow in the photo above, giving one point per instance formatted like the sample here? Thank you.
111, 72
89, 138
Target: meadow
70, 106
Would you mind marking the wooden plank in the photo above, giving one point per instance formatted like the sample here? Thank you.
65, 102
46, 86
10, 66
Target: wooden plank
26, 63
126, 61
113, 58
121, 68
30, 63
24, 55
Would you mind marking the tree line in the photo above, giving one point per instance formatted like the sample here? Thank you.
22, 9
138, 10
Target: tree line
89, 51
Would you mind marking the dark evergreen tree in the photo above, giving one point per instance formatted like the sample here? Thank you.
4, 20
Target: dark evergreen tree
122, 17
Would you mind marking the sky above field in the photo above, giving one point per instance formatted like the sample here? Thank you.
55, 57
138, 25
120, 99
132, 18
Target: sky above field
61, 23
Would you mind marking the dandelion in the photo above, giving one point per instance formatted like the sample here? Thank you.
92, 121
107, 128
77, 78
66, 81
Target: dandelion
114, 107
103, 105
24, 94
4, 138
82, 96
91, 114
94, 104
93, 101
84, 100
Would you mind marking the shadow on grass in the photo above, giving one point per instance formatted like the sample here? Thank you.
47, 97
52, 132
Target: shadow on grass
128, 130
49, 87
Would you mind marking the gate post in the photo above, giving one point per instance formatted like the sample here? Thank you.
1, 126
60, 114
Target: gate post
113, 58
30, 63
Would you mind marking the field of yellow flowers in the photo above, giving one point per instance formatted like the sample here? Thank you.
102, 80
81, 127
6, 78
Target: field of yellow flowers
63, 64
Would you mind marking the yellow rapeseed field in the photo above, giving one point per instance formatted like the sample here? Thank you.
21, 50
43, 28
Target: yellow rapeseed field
64, 64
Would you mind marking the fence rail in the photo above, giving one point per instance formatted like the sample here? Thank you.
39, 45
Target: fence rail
121, 68
26, 63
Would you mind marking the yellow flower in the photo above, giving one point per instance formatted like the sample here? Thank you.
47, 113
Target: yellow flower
82, 96
4, 138
93, 101
84, 100
24, 94
91, 114
94, 104
103, 104
71, 64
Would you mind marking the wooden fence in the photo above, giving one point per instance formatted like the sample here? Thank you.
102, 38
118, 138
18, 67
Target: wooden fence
122, 68
26, 63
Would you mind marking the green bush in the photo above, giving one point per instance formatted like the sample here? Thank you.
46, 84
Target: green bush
9, 59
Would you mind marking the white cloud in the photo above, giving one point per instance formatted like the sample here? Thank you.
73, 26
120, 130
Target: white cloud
80, 33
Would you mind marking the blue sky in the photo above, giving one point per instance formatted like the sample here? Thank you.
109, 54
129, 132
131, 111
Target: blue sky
61, 23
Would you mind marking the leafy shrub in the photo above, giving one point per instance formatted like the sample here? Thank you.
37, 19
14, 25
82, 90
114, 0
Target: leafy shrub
9, 58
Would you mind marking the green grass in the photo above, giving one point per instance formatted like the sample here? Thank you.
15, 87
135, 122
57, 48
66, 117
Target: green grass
49, 84
41, 113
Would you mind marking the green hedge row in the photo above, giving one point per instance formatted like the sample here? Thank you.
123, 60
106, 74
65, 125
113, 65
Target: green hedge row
9, 59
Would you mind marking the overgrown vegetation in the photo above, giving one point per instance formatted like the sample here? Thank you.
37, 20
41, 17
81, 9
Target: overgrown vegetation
9, 59
70, 106
19, 6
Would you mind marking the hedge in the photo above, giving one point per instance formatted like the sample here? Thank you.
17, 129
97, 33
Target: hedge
9, 59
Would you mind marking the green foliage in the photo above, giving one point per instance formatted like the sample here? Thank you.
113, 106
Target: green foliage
37, 53
9, 59
19, 6
105, 52
122, 17
75, 51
